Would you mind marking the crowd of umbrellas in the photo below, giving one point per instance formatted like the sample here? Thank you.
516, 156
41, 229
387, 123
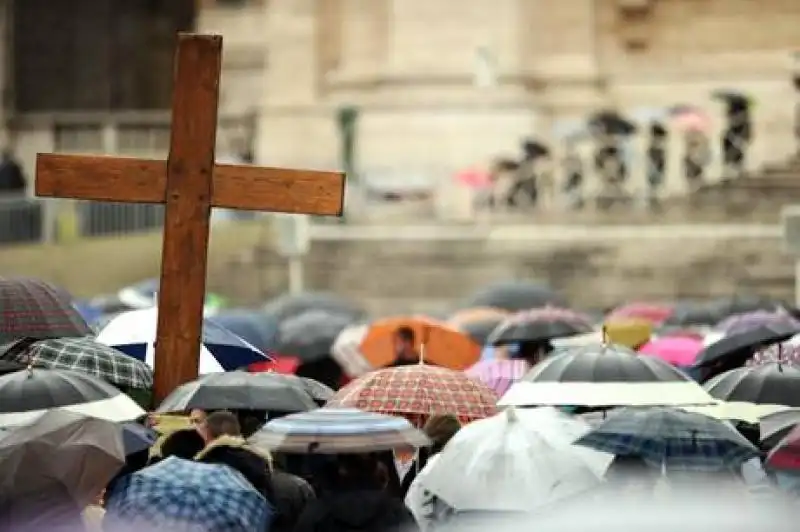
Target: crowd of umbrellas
552, 402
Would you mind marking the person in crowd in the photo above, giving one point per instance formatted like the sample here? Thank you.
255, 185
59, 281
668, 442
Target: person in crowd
533, 352
405, 347
573, 172
224, 444
611, 168
736, 137
696, 158
290, 495
440, 429
353, 497
184, 443
12, 179
656, 163
503, 175
197, 416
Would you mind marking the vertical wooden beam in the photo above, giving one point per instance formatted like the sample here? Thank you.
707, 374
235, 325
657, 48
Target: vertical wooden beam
188, 206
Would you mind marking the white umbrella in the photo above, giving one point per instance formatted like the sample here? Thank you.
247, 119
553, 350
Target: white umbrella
515, 461
346, 352
593, 394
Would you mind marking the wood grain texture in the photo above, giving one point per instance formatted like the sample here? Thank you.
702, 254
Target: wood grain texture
145, 181
188, 208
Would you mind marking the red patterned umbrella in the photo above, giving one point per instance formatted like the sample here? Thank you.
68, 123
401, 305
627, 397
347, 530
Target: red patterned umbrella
417, 392
652, 312
35, 309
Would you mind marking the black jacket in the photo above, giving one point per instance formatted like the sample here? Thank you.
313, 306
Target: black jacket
291, 495
234, 452
356, 511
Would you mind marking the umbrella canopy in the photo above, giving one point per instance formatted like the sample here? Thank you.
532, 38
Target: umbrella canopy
785, 352
137, 438
25, 395
735, 349
60, 449
238, 390
786, 454
498, 374
676, 350
289, 305
144, 294
690, 118
134, 333
85, 355
672, 438
177, 494
740, 304
518, 461
253, 326
418, 390
739, 323
478, 323
30, 308
654, 313
514, 296
435, 341
338, 430
611, 123
779, 421
604, 375
694, 314
346, 351
771, 383
540, 325
310, 335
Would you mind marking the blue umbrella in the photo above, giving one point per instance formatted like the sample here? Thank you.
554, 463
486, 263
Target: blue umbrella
137, 438
671, 438
177, 494
134, 333
89, 312
256, 327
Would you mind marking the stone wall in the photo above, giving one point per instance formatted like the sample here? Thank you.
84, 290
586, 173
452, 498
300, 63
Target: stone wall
415, 275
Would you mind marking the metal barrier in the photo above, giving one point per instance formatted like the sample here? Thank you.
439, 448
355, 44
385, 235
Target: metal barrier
21, 220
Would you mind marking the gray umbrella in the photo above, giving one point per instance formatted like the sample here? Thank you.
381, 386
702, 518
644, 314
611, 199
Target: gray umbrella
60, 452
238, 390
26, 394
310, 336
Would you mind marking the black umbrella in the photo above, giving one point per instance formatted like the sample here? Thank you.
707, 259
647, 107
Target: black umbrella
539, 325
603, 363
515, 296
239, 390
533, 150
693, 313
611, 123
480, 330
732, 97
773, 383
603, 376
289, 305
728, 306
309, 336
776, 425
734, 350
26, 394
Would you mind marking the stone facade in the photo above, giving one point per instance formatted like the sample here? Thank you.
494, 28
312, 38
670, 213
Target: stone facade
409, 65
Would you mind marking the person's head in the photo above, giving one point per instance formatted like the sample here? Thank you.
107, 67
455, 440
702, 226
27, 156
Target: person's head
404, 341
440, 428
184, 443
197, 416
360, 471
221, 423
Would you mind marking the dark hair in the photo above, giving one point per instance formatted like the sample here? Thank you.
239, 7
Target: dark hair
405, 333
222, 423
184, 443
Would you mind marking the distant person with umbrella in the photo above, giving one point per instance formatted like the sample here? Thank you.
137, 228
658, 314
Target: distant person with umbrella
528, 186
12, 179
656, 163
573, 172
737, 135
609, 128
405, 347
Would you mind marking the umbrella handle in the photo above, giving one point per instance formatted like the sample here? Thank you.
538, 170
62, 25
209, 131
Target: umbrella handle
604, 336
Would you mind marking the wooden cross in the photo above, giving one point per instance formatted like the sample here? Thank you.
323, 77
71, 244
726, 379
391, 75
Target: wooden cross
189, 184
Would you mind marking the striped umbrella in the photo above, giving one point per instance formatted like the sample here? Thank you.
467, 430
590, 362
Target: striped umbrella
347, 353
338, 430
499, 374
418, 391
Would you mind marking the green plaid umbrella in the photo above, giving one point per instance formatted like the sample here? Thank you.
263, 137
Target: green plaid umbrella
85, 356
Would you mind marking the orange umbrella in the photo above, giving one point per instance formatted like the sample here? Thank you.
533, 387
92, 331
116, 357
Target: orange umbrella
437, 342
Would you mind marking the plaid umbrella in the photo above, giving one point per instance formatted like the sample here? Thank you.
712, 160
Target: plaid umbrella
499, 374
30, 308
540, 325
86, 356
747, 321
184, 495
338, 430
418, 391
675, 439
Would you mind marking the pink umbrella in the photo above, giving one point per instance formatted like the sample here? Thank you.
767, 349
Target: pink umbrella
676, 350
498, 374
474, 178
